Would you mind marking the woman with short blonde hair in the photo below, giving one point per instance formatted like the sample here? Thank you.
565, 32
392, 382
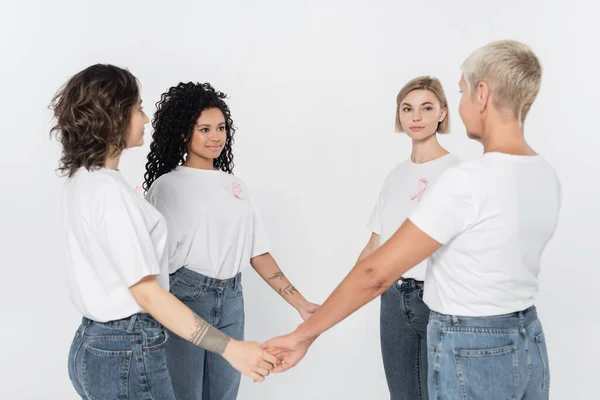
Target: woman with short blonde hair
421, 113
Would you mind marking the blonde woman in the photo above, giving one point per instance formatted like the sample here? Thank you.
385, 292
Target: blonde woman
421, 113
485, 225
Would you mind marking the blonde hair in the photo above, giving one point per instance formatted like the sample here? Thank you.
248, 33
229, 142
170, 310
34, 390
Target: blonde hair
511, 70
424, 83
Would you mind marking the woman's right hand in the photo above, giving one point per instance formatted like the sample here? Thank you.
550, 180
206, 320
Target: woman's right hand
250, 359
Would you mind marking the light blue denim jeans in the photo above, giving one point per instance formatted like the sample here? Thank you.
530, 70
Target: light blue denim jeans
120, 360
403, 330
198, 374
492, 358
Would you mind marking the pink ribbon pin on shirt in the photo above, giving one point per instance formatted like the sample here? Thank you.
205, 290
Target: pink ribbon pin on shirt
237, 189
138, 190
422, 187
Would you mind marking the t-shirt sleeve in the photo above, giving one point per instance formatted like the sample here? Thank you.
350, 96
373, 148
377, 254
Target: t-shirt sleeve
124, 237
157, 196
260, 239
448, 209
375, 220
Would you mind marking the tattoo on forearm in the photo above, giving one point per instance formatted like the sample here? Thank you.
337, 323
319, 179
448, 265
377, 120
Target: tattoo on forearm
277, 275
288, 290
209, 338
199, 331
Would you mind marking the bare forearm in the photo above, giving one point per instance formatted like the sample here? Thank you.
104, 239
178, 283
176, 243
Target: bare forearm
371, 246
178, 318
371, 277
365, 253
359, 287
266, 266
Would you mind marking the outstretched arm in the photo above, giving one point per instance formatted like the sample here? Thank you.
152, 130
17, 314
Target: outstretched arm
246, 357
367, 280
266, 266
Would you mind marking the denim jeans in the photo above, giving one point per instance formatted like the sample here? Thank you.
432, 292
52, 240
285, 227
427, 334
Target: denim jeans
120, 360
198, 374
403, 330
492, 358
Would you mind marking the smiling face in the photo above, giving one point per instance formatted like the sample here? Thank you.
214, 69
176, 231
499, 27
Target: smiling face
208, 138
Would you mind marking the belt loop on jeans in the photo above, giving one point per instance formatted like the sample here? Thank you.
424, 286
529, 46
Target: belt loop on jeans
522, 319
131, 323
455, 320
86, 323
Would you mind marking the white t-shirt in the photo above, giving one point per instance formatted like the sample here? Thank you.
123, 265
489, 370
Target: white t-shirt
403, 189
494, 217
113, 238
213, 227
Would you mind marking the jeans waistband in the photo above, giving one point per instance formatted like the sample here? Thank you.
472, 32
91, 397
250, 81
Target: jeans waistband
196, 278
517, 319
130, 324
410, 283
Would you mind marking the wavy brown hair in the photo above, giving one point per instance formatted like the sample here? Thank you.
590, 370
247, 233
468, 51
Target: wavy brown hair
92, 112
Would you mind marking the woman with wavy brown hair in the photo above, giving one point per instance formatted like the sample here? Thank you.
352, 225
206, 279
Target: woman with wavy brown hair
117, 275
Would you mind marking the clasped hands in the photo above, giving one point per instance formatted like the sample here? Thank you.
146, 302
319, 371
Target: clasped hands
275, 355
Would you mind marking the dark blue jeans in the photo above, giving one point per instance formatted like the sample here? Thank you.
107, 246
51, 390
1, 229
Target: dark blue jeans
198, 374
403, 330
121, 360
493, 358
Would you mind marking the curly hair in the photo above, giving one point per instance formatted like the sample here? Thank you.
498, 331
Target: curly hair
92, 112
176, 114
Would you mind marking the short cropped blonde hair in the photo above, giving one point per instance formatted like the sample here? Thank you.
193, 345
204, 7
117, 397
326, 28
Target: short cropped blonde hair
424, 83
511, 70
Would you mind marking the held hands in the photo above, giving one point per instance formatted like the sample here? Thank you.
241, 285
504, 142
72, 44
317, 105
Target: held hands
250, 359
277, 355
290, 349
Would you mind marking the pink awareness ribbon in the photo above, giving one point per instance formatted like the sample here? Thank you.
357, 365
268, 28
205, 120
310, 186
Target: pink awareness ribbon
237, 189
422, 187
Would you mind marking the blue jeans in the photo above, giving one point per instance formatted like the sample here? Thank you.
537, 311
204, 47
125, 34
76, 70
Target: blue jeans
198, 374
121, 360
403, 330
492, 358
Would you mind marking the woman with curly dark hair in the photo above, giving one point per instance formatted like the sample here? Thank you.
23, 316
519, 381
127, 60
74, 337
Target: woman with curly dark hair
115, 240
215, 231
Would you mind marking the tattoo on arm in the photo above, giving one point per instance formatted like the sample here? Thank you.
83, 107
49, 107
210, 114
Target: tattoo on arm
288, 290
277, 275
208, 337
